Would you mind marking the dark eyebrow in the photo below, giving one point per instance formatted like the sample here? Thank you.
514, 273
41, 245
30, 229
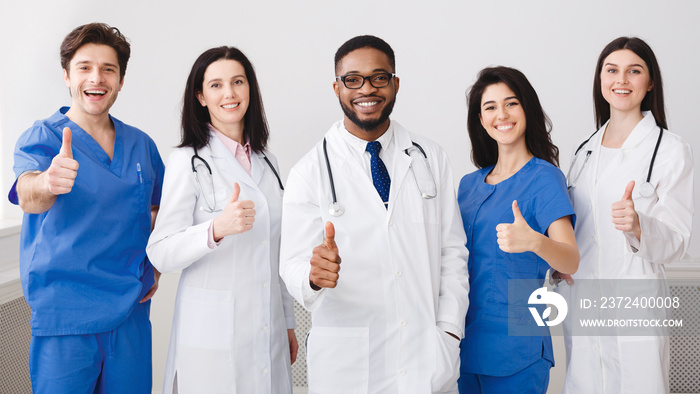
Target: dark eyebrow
221, 79
494, 101
376, 70
103, 64
631, 65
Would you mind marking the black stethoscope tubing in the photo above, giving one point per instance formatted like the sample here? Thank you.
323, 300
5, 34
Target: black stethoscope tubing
651, 163
197, 156
330, 173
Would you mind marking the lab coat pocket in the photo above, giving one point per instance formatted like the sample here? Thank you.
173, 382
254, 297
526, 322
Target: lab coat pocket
204, 359
645, 364
447, 363
206, 318
338, 360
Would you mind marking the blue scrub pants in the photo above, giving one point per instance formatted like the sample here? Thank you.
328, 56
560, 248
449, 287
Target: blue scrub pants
534, 379
117, 361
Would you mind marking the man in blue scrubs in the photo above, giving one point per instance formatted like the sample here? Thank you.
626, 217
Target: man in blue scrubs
90, 188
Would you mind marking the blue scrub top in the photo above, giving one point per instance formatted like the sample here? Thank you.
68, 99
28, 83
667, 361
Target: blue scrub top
83, 263
540, 189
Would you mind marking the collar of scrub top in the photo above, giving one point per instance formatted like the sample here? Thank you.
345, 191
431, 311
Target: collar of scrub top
638, 134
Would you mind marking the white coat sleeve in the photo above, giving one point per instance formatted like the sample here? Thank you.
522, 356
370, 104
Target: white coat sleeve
667, 226
176, 241
302, 231
287, 306
454, 280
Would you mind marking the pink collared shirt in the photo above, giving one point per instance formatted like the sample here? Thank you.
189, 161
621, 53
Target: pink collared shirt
240, 152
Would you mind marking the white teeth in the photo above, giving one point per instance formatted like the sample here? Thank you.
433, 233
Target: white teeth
504, 128
622, 91
100, 92
368, 104
229, 106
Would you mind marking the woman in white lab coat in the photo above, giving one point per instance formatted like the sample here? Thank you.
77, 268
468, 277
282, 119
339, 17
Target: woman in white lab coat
631, 221
233, 322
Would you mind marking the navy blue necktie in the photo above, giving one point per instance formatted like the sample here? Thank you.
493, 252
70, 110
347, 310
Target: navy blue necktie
380, 176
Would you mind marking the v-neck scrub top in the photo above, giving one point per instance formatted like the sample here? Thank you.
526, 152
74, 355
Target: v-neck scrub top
83, 263
540, 189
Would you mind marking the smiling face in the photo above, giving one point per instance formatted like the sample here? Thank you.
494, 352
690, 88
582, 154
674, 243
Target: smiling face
502, 116
624, 81
225, 93
366, 109
93, 80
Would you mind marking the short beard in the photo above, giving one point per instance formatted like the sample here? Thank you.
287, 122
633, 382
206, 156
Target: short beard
368, 125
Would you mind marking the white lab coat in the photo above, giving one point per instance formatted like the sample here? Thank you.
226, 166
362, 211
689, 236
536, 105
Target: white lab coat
402, 271
232, 311
628, 364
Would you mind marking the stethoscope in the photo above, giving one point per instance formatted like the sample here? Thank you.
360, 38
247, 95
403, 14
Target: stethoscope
211, 206
646, 189
336, 208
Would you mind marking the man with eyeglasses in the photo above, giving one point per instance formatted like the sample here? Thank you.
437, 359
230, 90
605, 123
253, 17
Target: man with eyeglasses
389, 318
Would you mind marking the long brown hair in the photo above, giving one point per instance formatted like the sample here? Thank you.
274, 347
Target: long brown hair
537, 138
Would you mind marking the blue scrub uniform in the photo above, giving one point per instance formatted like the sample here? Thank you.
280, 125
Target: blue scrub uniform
487, 350
83, 263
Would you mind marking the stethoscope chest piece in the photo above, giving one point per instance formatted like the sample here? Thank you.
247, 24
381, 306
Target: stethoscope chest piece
646, 189
336, 209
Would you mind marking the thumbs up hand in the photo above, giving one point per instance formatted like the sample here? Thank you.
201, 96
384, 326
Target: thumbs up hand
516, 237
624, 217
60, 177
237, 216
325, 262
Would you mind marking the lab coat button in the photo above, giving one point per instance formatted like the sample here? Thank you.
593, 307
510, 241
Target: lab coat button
265, 371
266, 285
391, 222
402, 372
399, 273
264, 243
264, 328
403, 323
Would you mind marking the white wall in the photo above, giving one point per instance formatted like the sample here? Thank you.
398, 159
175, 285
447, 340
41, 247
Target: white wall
440, 46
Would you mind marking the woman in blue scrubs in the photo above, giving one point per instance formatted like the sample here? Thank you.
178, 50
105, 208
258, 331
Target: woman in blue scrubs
519, 223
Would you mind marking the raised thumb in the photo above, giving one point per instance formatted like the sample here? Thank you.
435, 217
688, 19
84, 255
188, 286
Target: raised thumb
517, 216
235, 193
330, 236
628, 191
66, 149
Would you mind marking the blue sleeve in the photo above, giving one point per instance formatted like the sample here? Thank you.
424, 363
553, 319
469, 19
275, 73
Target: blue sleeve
159, 169
34, 151
552, 198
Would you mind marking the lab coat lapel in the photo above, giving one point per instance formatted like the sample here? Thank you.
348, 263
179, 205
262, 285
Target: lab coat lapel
346, 168
641, 131
402, 163
258, 166
227, 163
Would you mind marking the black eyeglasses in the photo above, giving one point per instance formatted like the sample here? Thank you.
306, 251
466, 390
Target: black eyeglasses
356, 81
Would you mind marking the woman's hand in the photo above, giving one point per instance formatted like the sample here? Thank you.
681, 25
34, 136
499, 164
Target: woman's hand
558, 276
516, 237
624, 217
293, 345
237, 217
558, 250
